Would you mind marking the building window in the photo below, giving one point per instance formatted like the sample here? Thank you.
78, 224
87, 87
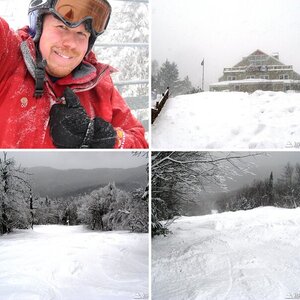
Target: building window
283, 76
264, 76
236, 87
231, 78
250, 77
258, 60
263, 68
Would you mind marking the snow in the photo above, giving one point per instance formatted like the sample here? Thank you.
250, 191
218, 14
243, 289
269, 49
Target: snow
227, 120
71, 262
255, 81
239, 255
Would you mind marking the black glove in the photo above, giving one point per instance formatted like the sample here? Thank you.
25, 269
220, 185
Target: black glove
104, 134
71, 127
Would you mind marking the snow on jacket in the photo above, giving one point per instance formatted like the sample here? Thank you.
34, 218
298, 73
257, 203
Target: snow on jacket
24, 119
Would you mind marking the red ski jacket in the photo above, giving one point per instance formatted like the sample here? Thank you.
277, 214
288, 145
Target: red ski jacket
24, 119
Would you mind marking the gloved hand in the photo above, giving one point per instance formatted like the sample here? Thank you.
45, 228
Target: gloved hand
71, 127
104, 134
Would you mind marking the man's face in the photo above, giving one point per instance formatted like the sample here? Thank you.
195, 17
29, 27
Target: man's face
63, 48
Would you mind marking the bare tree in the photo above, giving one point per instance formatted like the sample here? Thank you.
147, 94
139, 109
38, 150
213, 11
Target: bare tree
177, 175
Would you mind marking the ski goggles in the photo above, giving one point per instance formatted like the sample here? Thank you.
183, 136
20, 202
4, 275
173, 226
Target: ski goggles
75, 12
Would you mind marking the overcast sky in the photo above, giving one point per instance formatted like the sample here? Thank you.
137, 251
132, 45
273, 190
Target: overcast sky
77, 159
259, 167
223, 32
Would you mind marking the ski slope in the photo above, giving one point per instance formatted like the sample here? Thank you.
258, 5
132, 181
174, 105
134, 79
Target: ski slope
73, 263
240, 255
229, 120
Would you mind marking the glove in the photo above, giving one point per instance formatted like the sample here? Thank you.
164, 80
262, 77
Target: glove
71, 127
104, 134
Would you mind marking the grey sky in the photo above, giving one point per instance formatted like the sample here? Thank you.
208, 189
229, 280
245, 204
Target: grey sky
77, 159
261, 166
223, 32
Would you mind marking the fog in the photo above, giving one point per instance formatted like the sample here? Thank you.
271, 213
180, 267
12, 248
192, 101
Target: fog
77, 159
256, 165
223, 32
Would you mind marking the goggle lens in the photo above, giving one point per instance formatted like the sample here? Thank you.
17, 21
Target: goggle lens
77, 10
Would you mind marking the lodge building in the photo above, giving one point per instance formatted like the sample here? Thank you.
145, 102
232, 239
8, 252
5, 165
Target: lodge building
258, 71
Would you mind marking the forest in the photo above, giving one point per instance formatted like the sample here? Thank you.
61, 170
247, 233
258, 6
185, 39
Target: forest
105, 208
284, 192
167, 75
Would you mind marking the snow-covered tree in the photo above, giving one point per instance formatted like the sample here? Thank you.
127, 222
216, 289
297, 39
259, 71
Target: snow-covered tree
138, 211
284, 193
176, 176
48, 211
69, 208
129, 27
287, 176
109, 208
297, 183
130, 211
168, 76
96, 205
286, 188
14, 196
118, 214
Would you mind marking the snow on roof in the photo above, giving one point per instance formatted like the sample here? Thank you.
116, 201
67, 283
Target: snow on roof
267, 67
254, 81
259, 52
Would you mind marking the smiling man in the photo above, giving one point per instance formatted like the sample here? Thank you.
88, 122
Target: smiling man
53, 91
62, 47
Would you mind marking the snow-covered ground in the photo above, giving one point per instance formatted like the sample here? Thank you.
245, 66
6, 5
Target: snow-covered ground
70, 263
227, 120
240, 255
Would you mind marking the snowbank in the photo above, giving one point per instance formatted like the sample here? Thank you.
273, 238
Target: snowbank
240, 255
72, 263
227, 120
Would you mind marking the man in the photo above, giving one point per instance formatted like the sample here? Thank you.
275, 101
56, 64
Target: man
53, 92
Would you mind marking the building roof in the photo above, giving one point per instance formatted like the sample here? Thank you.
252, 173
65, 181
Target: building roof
260, 57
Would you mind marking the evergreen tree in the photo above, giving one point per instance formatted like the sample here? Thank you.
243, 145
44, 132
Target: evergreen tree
168, 77
286, 187
185, 86
270, 190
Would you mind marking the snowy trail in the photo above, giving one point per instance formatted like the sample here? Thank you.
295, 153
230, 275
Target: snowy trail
235, 255
214, 120
61, 262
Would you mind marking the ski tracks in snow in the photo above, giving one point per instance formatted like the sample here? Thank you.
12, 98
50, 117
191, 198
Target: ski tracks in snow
231, 256
191, 268
71, 263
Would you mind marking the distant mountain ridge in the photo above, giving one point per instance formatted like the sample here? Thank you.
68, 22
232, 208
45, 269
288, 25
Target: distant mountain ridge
47, 181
